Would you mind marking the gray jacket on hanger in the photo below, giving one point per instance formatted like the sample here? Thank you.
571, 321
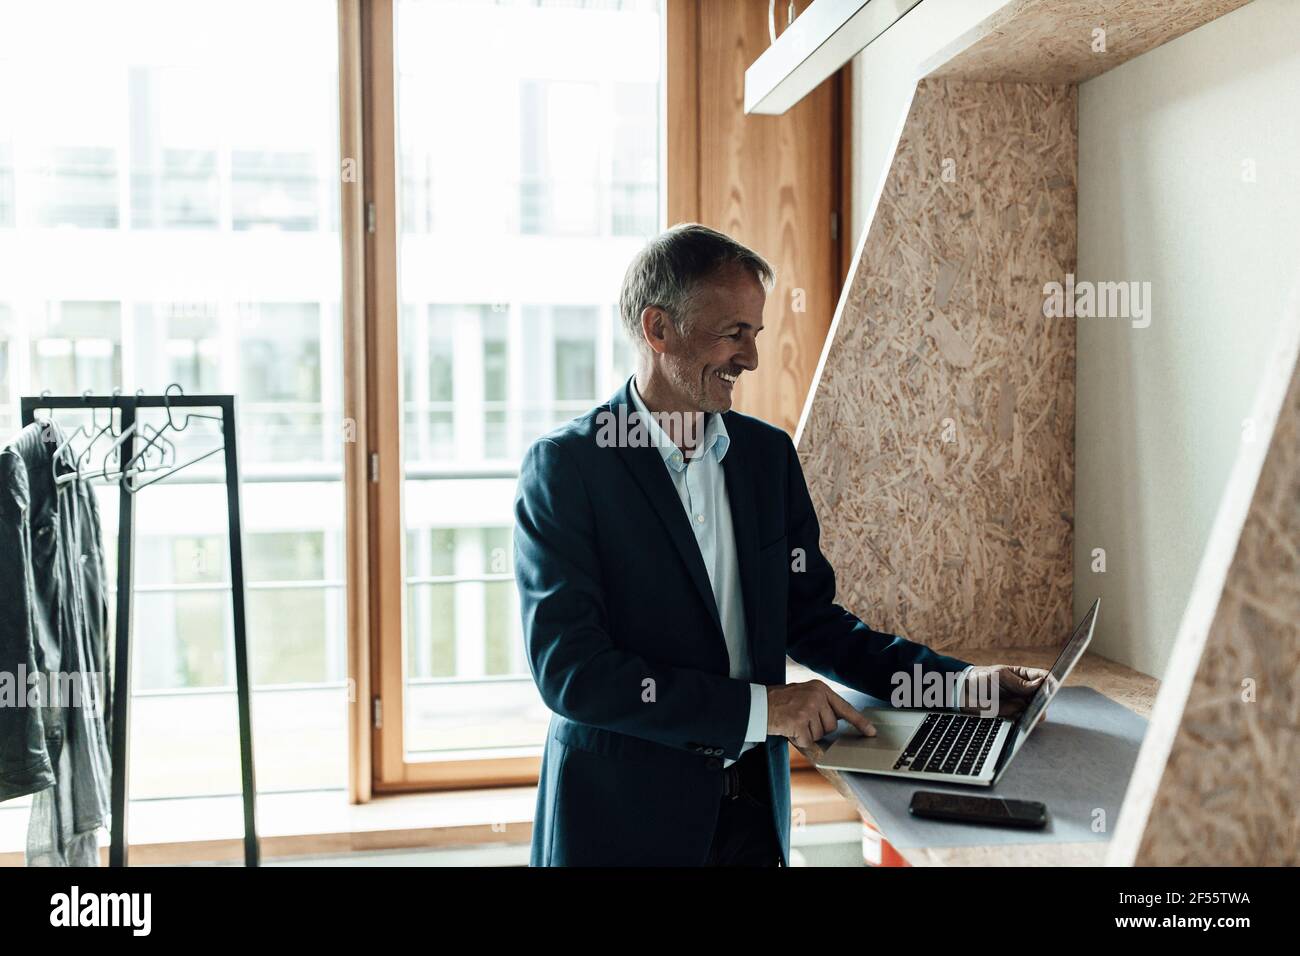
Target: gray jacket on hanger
53, 651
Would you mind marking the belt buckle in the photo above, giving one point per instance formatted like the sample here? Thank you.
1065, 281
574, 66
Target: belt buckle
731, 775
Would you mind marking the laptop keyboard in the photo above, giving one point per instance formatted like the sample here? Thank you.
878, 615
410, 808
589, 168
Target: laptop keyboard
949, 743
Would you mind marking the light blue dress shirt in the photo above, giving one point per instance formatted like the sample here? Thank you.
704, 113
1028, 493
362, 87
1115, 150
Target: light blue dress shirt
702, 487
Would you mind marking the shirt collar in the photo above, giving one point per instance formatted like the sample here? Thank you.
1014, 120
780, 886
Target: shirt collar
716, 440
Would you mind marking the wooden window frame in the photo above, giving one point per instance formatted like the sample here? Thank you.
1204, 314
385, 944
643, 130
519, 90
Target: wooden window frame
379, 727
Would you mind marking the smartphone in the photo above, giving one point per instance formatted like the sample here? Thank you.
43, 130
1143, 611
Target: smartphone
1027, 814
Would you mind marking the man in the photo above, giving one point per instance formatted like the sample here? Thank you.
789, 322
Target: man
667, 559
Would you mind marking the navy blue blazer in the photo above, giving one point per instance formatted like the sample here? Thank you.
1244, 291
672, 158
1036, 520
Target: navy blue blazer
624, 640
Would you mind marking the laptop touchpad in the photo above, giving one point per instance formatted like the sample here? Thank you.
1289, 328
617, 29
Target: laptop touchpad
893, 731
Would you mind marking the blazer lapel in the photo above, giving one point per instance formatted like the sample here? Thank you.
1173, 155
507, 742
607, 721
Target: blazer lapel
744, 522
647, 467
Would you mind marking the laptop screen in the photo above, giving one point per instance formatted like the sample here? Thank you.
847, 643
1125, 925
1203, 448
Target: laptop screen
1070, 655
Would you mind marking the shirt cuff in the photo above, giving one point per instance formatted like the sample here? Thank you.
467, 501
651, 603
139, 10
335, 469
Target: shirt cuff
961, 687
756, 733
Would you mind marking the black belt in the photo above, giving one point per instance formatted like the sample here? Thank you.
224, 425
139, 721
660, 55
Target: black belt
744, 775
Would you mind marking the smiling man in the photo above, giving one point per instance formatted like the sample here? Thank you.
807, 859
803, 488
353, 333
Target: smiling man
663, 583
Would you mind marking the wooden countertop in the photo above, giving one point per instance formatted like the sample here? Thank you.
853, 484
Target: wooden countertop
1134, 690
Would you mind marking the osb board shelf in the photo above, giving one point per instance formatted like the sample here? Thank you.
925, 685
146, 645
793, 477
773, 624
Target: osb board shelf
1069, 41
938, 436
1135, 691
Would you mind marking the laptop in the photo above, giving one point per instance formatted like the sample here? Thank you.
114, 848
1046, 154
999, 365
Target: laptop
946, 746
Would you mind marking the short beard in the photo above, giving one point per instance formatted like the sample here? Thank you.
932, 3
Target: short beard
691, 388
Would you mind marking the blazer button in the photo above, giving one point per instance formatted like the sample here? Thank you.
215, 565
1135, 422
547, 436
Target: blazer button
713, 763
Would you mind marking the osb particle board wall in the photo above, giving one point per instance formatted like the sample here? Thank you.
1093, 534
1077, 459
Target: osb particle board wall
939, 448
938, 436
1215, 783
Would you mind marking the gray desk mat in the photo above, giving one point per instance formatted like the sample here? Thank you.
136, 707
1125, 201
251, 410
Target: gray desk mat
1078, 760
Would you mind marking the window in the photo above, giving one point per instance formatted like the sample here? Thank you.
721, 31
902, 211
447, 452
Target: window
512, 238
280, 381
575, 355
8, 418
560, 157
8, 120
495, 385
273, 189
6, 182
428, 367
80, 186
165, 218
182, 342
77, 346
169, 213
634, 179
175, 176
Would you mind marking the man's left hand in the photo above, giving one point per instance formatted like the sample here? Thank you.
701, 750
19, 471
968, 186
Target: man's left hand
1006, 687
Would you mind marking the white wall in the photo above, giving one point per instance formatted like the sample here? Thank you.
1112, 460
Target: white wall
884, 76
1162, 199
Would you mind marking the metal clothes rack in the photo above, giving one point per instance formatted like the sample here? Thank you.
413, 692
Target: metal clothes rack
125, 476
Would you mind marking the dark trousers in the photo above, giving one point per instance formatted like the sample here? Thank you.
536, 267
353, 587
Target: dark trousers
745, 834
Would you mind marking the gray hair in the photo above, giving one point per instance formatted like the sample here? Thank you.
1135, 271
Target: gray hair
669, 269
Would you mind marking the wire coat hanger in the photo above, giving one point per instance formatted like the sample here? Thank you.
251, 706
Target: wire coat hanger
99, 432
159, 435
126, 473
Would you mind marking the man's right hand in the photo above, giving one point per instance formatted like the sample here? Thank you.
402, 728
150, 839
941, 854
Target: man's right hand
808, 711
